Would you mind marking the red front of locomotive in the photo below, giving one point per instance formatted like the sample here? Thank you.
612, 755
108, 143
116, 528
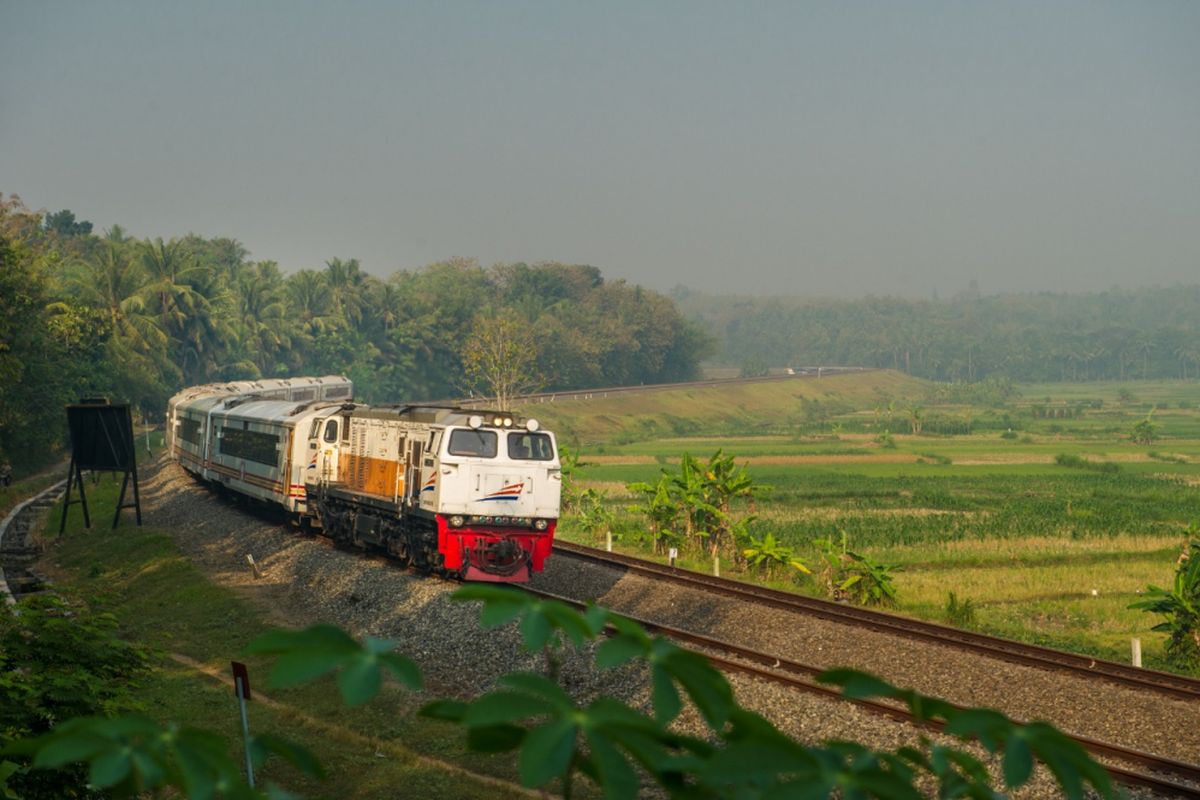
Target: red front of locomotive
495, 553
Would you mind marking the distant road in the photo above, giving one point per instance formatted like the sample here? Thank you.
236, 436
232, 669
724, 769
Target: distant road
599, 394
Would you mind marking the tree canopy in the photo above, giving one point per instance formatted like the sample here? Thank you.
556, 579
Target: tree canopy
1120, 334
138, 319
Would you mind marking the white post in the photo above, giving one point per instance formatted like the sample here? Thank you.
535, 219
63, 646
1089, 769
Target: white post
673, 554
716, 565
608, 540
241, 696
1137, 651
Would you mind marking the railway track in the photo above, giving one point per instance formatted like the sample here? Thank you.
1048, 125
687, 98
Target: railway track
16, 550
615, 391
1135, 768
1004, 649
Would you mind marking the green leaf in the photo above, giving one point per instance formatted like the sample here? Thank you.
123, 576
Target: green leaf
504, 706
501, 604
546, 752
536, 630
449, 710
495, 738
611, 770
298, 667
402, 669
360, 680
199, 779
1018, 762
61, 750
618, 650
857, 685
297, 755
316, 638
151, 770
664, 696
110, 768
539, 686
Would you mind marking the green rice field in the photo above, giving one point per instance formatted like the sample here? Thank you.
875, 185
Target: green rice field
1033, 503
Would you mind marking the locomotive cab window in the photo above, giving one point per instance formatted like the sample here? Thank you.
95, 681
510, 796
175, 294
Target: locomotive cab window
331, 430
465, 442
530, 447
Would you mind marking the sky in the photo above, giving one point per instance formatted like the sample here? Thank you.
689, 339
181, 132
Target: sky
763, 148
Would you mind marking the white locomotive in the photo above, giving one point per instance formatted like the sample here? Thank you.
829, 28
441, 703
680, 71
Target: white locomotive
464, 493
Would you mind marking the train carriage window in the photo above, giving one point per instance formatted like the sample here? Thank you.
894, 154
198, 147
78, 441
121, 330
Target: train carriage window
189, 431
261, 448
465, 442
331, 430
530, 447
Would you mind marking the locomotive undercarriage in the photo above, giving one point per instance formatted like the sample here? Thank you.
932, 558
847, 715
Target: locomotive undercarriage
408, 539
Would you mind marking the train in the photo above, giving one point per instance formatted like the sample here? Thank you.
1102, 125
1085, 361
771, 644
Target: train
469, 494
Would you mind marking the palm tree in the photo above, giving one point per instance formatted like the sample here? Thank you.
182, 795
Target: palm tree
346, 281
262, 320
310, 300
168, 290
113, 282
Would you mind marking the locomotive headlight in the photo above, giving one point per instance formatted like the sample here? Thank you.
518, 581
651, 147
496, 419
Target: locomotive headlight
532, 425
540, 524
498, 421
508, 422
457, 521
475, 420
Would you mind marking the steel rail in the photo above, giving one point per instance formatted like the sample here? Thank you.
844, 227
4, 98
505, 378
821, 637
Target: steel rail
814, 373
801, 677
995, 647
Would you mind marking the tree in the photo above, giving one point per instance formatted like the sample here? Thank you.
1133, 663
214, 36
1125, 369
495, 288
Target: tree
63, 223
1145, 430
500, 359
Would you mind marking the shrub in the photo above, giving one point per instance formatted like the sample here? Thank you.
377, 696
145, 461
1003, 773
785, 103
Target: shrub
58, 661
961, 614
1144, 431
1180, 605
1076, 462
847, 575
767, 553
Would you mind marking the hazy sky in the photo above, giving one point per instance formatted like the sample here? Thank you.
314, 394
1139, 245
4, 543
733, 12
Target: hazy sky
831, 148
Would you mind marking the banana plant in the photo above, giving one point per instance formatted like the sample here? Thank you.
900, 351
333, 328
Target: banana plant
767, 553
1180, 605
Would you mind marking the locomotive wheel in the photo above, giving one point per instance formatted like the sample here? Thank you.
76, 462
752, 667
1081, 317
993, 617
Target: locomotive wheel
400, 550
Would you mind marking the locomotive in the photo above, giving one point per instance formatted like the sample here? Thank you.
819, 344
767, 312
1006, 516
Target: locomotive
463, 493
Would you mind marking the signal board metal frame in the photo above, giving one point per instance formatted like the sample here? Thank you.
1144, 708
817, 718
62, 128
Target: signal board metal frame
101, 439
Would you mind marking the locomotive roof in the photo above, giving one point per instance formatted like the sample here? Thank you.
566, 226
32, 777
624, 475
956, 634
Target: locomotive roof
252, 409
428, 413
233, 388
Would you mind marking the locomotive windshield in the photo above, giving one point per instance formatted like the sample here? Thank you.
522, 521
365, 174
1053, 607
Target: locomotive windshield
530, 446
466, 442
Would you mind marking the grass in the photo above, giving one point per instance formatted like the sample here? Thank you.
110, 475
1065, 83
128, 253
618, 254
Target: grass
162, 600
1026, 528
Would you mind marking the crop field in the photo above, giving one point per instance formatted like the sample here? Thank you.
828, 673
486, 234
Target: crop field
1034, 505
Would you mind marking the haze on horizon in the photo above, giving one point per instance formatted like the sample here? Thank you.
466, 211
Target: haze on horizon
829, 149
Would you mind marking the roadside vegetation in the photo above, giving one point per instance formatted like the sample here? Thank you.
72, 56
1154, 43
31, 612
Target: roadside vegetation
1032, 512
